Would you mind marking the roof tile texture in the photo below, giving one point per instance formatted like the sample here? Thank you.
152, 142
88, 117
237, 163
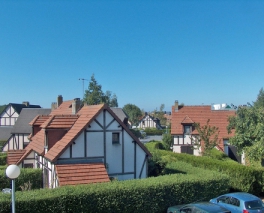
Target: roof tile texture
82, 121
73, 174
14, 155
200, 114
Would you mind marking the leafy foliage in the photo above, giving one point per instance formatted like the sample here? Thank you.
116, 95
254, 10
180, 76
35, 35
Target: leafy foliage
153, 131
167, 139
94, 95
3, 158
249, 131
242, 178
153, 195
2, 107
207, 139
133, 112
160, 114
260, 99
34, 176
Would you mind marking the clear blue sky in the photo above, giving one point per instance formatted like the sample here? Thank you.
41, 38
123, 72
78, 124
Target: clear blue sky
146, 52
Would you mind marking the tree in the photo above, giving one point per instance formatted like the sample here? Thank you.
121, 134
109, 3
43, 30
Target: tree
160, 115
248, 124
94, 95
260, 99
133, 112
109, 99
167, 141
207, 139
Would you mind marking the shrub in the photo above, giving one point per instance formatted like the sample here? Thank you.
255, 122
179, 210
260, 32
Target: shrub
242, 178
3, 158
153, 131
34, 176
146, 195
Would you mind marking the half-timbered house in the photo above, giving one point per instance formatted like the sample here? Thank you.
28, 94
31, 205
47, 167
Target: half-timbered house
11, 112
149, 121
183, 130
21, 130
80, 145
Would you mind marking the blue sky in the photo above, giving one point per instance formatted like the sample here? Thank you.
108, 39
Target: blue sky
146, 52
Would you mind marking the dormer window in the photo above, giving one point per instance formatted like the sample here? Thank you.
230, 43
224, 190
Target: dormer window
187, 130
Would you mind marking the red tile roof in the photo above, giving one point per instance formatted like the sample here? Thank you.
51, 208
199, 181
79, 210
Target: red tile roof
75, 123
73, 174
200, 114
37, 144
187, 120
14, 155
39, 119
64, 109
60, 122
81, 123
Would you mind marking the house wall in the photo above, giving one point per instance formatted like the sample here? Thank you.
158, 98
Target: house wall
16, 141
8, 117
123, 160
147, 122
183, 140
30, 161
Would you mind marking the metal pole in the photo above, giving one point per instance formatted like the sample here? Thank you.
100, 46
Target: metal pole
13, 196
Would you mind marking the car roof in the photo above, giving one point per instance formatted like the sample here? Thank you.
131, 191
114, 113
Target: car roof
243, 196
206, 206
209, 207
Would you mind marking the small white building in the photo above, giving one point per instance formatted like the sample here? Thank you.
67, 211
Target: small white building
149, 121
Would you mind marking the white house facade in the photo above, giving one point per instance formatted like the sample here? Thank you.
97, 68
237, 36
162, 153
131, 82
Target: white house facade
94, 139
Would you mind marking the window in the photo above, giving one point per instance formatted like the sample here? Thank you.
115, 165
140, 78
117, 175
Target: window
187, 130
28, 165
115, 138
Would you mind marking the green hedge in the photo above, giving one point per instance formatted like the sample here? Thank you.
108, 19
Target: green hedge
32, 176
145, 195
3, 157
242, 178
153, 131
2, 143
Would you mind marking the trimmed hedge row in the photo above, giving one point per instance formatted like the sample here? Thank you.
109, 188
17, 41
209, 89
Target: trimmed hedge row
153, 131
27, 176
242, 178
145, 195
3, 157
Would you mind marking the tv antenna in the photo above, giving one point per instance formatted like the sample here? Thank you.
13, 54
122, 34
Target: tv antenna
83, 79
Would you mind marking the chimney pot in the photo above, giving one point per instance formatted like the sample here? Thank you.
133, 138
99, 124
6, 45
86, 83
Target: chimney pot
176, 106
59, 100
76, 104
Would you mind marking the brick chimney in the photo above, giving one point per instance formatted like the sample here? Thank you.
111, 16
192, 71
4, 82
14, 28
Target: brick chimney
176, 106
76, 104
59, 100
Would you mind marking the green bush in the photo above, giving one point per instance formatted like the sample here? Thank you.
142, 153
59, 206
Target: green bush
242, 178
34, 176
153, 131
3, 158
2, 143
136, 132
219, 155
146, 195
